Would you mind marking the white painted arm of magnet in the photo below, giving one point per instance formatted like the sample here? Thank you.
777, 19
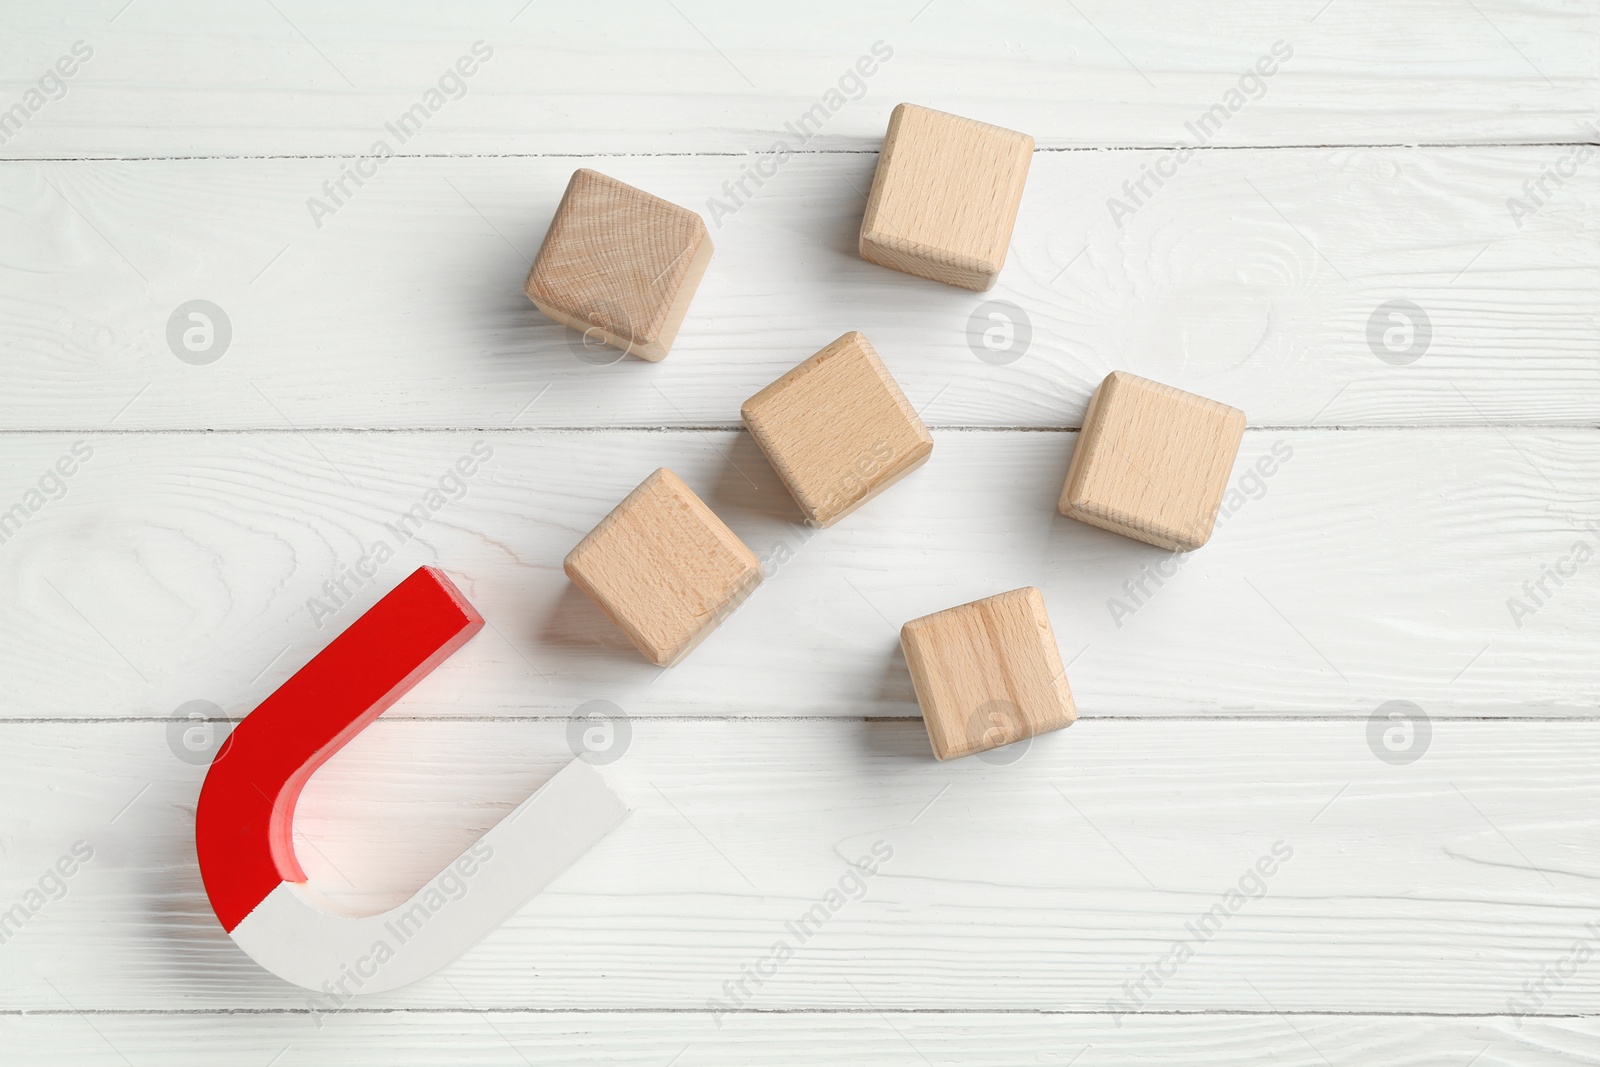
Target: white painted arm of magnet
293, 933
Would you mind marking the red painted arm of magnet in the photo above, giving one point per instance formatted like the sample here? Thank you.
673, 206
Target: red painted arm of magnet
245, 817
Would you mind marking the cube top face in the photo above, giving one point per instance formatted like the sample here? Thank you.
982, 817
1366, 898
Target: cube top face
987, 673
1152, 462
837, 429
664, 568
945, 197
619, 264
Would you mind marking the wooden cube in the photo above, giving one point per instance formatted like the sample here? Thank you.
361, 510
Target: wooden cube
1152, 462
987, 673
664, 568
619, 264
945, 197
838, 430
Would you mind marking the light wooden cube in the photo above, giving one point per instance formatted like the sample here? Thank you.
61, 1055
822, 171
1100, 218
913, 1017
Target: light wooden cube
987, 673
1152, 462
664, 568
945, 197
619, 265
838, 430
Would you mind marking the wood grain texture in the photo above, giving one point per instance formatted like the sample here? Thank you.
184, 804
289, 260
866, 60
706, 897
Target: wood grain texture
664, 568
414, 293
988, 673
649, 1039
1349, 569
1050, 884
944, 197
1152, 462
184, 79
619, 265
837, 429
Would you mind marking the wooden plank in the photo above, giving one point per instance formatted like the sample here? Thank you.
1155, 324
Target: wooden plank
1063, 880
890, 1040
1350, 569
1253, 277
182, 78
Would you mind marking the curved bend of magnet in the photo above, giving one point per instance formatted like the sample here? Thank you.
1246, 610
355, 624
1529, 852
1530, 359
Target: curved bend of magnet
244, 821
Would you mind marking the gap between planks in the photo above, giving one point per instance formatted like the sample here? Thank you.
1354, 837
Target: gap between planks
1090, 1014
734, 427
874, 719
797, 152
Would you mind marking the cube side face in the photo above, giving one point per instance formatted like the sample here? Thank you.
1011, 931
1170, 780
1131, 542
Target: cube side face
619, 264
837, 429
987, 673
927, 261
667, 332
944, 197
1152, 462
664, 568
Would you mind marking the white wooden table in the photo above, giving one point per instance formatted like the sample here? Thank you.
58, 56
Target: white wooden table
1433, 472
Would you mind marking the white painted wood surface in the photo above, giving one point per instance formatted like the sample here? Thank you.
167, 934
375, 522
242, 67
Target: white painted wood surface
184, 78
1250, 277
1228, 711
1366, 567
450, 1037
1042, 884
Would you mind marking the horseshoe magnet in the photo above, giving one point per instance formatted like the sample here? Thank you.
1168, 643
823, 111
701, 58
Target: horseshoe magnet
244, 821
